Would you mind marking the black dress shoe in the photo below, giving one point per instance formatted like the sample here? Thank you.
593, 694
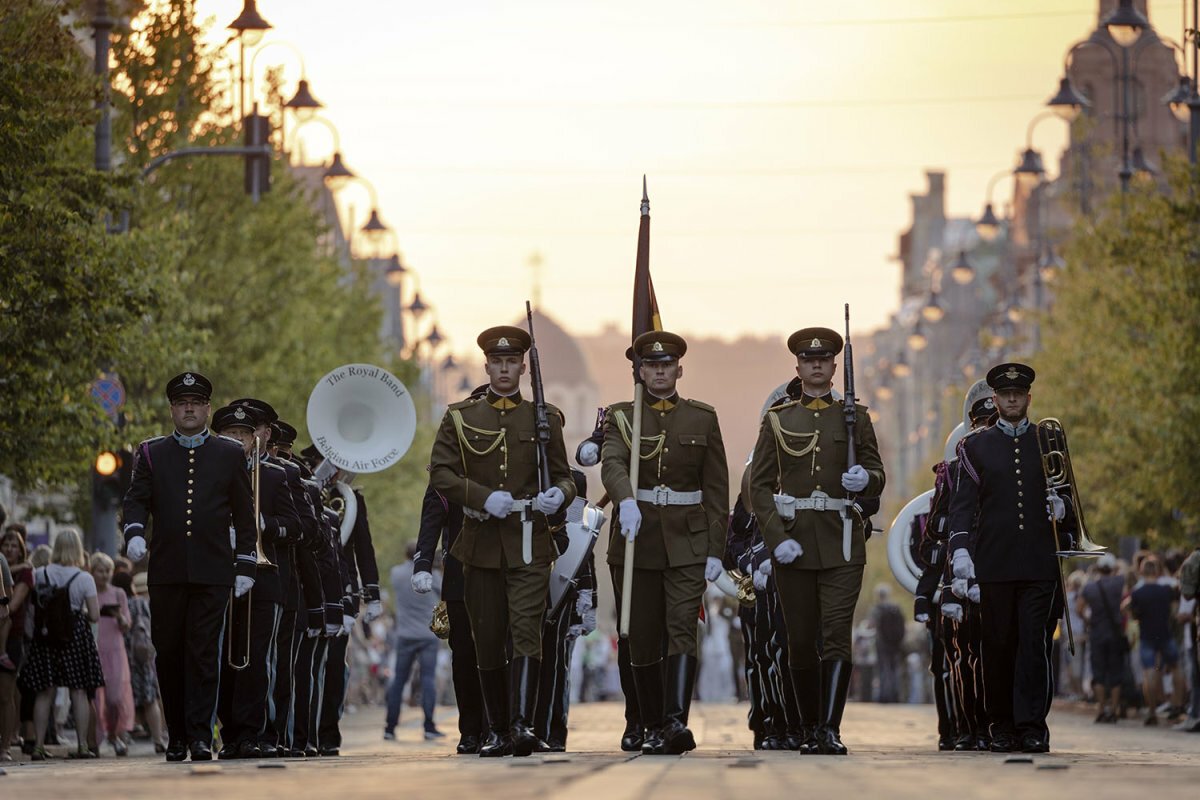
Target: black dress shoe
295, 752
311, 752
497, 744
267, 750
556, 746
1034, 744
248, 749
1004, 743
200, 751
227, 752
945, 743
965, 743
631, 739
652, 743
468, 745
176, 751
330, 751
829, 741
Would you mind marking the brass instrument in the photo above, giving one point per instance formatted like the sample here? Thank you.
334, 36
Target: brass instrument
440, 624
262, 562
1056, 466
737, 585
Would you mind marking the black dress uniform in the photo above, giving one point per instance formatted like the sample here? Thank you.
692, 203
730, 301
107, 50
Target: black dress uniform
998, 514
194, 488
442, 520
484, 446
245, 694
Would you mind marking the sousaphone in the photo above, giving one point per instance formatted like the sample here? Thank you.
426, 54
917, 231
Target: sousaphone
362, 419
903, 547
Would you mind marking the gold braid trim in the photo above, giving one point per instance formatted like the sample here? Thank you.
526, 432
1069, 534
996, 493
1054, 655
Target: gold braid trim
626, 429
781, 431
464, 445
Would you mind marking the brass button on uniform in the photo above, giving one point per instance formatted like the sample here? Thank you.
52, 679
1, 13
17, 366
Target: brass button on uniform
189, 533
190, 471
189, 510
817, 449
189, 492
191, 452
818, 468
190, 481
1021, 527
189, 499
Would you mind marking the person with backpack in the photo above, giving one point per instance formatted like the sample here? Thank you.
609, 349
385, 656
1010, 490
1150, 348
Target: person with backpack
63, 652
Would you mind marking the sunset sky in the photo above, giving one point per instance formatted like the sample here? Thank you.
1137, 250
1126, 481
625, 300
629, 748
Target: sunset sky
781, 141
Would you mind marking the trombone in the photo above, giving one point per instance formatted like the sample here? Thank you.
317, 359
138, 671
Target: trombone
262, 562
1059, 474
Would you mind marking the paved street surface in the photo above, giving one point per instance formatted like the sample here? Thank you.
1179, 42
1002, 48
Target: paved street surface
892, 755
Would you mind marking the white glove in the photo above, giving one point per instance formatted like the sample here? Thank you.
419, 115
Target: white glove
958, 587
631, 518
550, 500
312, 633
788, 551
1055, 506
952, 610
232, 538
973, 593
374, 611
589, 621
136, 549
961, 564
333, 629
422, 582
760, 581
922, 618
766, 568
713, 569
498, 504
855, 479
575, 631
347, 624
262, 522
588, 455
583, 603
242, 584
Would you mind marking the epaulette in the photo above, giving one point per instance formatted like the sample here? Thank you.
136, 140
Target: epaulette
151, 440
621, 404
782, 406
273, 466
461, 404
700, 405
227, 438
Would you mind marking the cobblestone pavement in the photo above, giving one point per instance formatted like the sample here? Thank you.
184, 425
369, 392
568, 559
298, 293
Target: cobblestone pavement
892, 755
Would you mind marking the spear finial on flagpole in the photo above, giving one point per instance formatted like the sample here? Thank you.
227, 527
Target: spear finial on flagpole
645, 199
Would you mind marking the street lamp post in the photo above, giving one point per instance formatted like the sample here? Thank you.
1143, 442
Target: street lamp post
250, 27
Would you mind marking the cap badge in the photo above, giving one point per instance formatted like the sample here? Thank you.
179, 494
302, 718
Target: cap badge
989, 404
815, 343
188, 380
238, 413
656, 347
1012, 374
503, 342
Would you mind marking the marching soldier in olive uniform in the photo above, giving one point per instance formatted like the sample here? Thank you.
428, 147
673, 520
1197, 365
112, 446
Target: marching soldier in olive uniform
194, 486
485, 458
1002, 536
678, 516
800, 490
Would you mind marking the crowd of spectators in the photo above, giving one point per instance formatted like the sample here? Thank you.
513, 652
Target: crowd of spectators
76, 660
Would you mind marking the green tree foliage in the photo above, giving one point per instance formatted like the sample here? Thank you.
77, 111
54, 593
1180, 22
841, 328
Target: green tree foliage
1119, 366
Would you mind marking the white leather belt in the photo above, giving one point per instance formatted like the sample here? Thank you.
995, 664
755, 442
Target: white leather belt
665, 496
787, 506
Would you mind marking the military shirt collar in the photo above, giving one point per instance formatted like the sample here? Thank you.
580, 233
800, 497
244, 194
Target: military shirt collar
1013, 430
191, 441
504, 402
662, 403
816, 403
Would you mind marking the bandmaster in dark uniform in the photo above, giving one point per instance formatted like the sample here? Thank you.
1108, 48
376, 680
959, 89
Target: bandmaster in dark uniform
485, 459
678, 517
800, 488
194, 486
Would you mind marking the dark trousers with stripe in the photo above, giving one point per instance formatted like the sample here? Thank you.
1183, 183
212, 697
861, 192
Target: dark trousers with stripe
187, 622
941, 667
245, 695
279, 726
308, 679
1017, 621
554, 688
333, 697
962, 649
472, 721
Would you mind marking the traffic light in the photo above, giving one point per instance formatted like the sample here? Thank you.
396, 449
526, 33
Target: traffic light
111, 472
256, 131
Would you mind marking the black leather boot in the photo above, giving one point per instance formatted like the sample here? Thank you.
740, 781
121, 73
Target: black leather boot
525, 672
835, 683
648, 683
681, 678
807, 685
493, 684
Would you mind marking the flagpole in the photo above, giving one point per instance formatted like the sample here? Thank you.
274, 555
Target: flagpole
635, 462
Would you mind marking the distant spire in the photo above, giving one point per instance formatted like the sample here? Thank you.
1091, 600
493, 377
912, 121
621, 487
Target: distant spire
535, 265
645, 199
